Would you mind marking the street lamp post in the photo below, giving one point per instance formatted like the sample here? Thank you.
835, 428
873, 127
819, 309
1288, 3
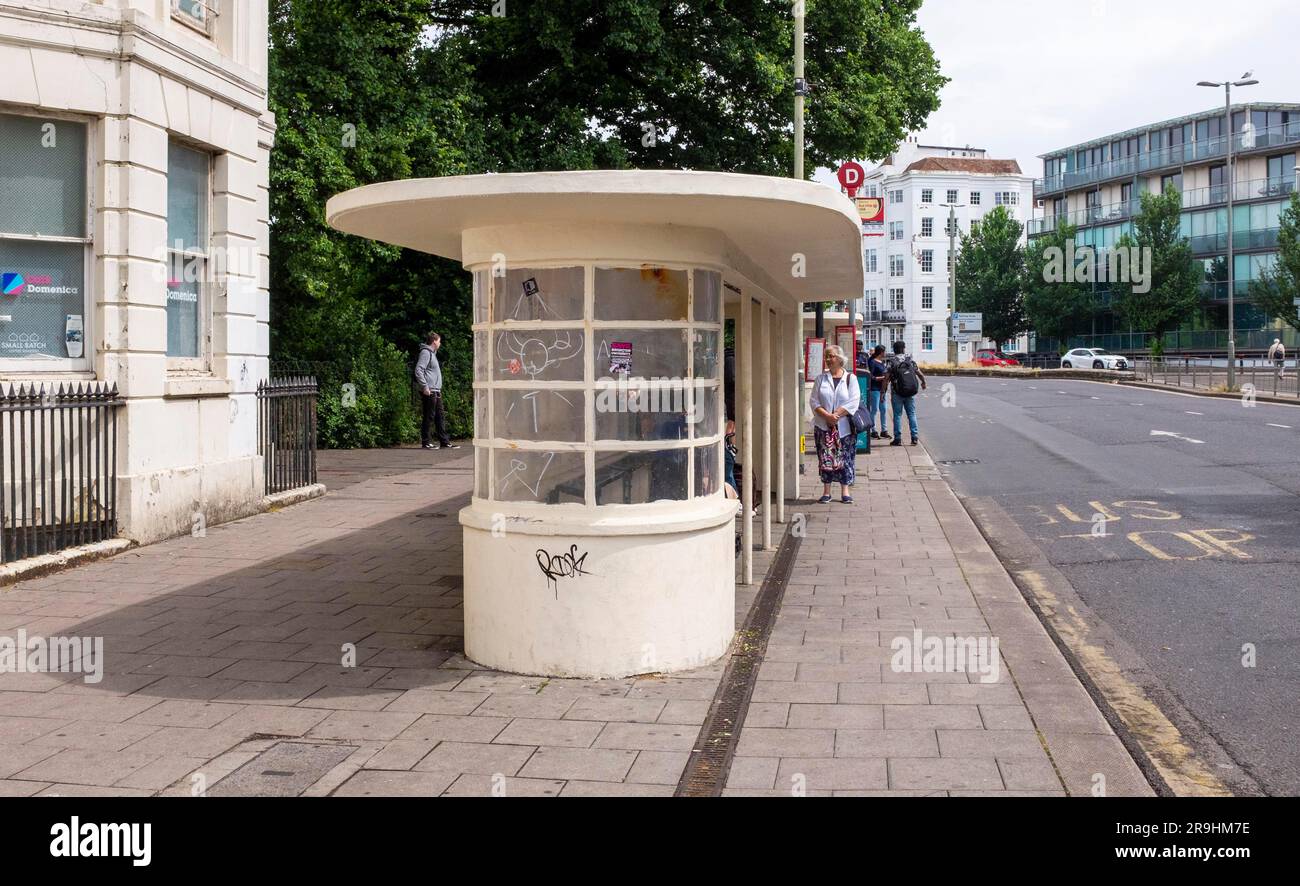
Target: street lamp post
1232, 187
952, 279
800, 92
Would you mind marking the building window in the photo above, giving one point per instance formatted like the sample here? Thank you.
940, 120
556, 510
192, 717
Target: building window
974, 198
896, 299
45, 243
927, 195
895, 196
870, 260
871, 190
927, 227
950, 226
927, 261
896, 266
927, 298
1176, 180
188, 197
927, 338
198, 14
896, 230
952, 196
1006, 198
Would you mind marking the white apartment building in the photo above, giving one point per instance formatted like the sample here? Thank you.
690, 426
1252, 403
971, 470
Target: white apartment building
907, 288
134, 157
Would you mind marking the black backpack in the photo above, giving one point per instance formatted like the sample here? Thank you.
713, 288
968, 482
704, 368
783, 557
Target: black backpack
903, 379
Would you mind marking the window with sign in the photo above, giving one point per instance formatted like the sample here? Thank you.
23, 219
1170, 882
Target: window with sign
44, 241
198, 14
188, 188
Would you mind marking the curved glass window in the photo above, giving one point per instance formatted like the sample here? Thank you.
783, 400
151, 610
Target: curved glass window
597, 385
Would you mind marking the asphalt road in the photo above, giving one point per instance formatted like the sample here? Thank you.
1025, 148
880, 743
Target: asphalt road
1199, 499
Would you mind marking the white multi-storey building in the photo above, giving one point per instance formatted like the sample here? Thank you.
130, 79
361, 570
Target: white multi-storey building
907, 289
134, 157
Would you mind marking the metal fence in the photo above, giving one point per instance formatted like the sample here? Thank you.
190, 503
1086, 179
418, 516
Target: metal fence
1209, 373
58, 467
286, 432
1185, 342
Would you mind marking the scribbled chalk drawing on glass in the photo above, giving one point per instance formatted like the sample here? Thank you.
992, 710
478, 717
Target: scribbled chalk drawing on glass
532, 353
531, 398
519, 473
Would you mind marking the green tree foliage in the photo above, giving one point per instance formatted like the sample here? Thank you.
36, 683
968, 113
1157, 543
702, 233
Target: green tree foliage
661, 84
1055, 308
371, 90
990, 272
358, 100
1275, 293
1174, 292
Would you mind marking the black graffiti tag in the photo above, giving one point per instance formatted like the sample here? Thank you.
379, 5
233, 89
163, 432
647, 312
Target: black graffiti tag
557, 566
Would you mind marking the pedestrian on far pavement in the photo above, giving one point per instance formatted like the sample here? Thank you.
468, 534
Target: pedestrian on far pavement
1277, 353
876, 392
905, 380
835, 397
428, 375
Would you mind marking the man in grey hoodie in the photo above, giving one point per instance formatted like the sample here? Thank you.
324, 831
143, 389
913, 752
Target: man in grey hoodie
428, 375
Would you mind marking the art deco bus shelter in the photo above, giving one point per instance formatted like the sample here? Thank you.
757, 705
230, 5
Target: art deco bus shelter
598, 541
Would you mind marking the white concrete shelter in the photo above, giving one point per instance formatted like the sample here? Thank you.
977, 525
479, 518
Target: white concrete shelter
599, 541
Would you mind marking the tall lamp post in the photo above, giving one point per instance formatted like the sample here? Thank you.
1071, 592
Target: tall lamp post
1232, 187
800, 92
952, 279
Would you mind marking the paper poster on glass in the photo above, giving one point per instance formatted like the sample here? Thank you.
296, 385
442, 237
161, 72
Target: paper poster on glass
620, 358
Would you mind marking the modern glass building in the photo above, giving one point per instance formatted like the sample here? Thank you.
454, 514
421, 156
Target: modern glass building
1097, 186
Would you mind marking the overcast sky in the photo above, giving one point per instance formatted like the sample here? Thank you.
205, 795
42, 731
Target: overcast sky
1031, 76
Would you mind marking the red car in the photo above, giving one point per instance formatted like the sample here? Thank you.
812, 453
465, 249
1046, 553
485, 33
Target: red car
993, 358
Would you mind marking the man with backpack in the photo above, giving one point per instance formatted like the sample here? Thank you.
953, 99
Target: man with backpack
1277, 353
904, 380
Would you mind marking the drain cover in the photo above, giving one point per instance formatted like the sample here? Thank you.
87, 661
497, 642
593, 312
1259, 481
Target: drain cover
285, 769
959, 461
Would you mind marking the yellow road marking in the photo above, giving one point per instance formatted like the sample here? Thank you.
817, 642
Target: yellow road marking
1185, 773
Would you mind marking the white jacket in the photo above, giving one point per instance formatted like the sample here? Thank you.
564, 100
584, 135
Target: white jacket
831, 396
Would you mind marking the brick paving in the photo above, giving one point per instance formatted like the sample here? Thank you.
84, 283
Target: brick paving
220, 647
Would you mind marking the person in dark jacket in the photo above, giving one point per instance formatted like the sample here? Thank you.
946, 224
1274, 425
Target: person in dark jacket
428, 375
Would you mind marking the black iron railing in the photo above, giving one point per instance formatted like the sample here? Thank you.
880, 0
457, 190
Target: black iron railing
58, 467
286, 432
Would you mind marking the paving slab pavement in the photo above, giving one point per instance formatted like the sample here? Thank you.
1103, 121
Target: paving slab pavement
336, 624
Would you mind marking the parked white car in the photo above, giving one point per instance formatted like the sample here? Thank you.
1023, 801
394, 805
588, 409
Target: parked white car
1093, 358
